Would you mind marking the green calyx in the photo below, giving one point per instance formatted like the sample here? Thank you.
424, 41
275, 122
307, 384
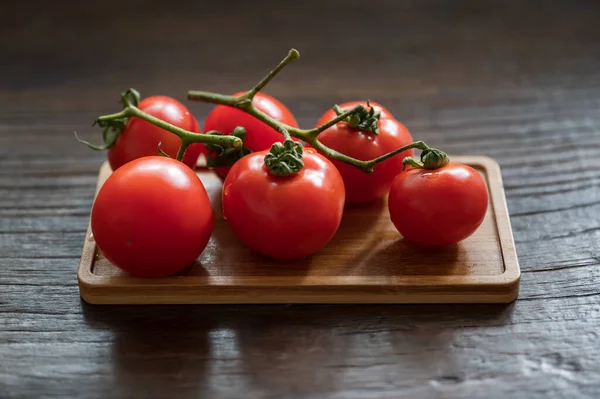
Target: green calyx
431, 158
113, 127
285, 159
111, 130
226, 156
366, 119
131, 97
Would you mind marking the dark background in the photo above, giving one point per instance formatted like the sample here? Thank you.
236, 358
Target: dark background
518, 81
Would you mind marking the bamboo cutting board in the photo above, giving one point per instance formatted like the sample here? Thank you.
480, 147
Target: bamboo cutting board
366, 262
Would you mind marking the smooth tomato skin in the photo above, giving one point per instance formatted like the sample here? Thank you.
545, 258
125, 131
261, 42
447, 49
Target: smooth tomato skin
152, 217
259, 135
438, 207
141, 138
361, 186
284, 217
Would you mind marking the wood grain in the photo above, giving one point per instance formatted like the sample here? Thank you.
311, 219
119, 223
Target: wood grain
366, 262
517, 81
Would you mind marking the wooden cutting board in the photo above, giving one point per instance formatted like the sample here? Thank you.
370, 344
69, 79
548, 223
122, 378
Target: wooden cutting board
366, 262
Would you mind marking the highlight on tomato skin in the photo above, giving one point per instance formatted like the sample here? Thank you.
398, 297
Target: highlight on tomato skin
284, 218
364, 187
438, 207
141, 138
152, 217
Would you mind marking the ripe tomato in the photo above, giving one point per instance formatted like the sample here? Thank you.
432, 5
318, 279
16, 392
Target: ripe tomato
284, 217
141, 138
259, 135
152, 217
363, 145
438, 206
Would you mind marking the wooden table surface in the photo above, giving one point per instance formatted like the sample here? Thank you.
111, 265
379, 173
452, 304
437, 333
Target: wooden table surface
518, 81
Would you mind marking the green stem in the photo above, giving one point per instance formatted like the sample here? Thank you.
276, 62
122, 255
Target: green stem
293, 54
184, 135
107, 142
420, 145
184, 145
286, 135
309, 136
161, 152
343, 116
187, 137
105, 118
412, 162
431, 158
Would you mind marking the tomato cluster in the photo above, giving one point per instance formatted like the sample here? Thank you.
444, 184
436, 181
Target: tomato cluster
152, 217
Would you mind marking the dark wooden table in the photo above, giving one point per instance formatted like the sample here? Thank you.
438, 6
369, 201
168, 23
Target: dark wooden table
518, 81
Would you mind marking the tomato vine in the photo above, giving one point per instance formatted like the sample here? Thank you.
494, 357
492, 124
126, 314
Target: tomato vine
310, 136
285, 159
130, 99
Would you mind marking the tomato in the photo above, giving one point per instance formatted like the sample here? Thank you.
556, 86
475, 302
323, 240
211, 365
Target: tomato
259, 135
141, 138
152, 217
364, 145
438, 207
284, 217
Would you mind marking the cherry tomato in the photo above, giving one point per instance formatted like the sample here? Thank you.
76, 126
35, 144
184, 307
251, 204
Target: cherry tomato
440, 206
152, 217
222, 171
141, 138
284, 217
259, 135
363, 145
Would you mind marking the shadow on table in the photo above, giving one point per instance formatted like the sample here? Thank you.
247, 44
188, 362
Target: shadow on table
191, 350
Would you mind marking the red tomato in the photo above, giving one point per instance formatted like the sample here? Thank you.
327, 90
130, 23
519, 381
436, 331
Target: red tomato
222, 171
284, 217
440, 206
141, 138
362, 145
259, 135
152, 217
